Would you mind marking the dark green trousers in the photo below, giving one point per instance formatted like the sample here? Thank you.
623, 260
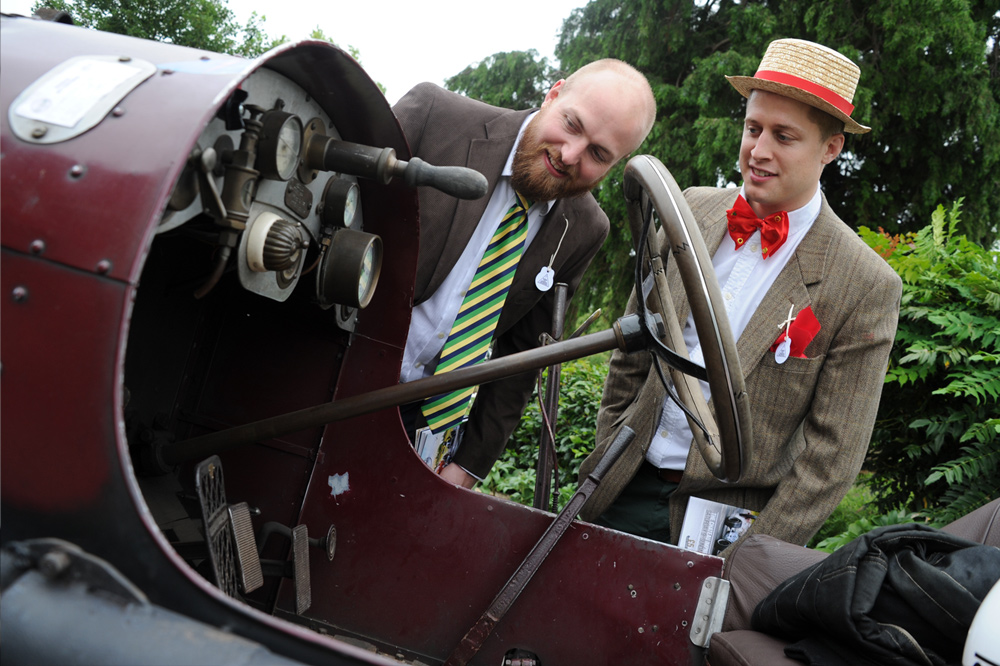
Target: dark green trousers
643, 507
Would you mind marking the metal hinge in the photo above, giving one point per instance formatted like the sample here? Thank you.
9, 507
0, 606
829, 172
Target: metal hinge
711, 610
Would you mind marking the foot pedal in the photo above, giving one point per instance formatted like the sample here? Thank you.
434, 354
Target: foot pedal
250, 575
300, 564
211, 490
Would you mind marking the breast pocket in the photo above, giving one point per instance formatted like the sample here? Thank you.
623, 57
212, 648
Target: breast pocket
780, 393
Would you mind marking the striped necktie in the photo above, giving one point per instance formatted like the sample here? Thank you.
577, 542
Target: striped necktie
477, 318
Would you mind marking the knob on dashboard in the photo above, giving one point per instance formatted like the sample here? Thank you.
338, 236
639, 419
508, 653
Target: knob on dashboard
275, 244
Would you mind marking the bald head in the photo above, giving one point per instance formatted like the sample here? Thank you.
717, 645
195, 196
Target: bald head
624, 83
587, 124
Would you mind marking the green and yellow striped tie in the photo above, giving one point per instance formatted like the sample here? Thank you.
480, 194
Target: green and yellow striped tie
472, 332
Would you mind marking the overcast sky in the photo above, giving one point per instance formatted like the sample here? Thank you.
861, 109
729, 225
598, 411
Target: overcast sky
402, 43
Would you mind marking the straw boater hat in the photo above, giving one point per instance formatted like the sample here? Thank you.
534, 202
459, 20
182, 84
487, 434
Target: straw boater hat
810, 73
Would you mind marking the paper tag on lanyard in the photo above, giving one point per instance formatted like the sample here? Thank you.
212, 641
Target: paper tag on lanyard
785, 348
545, 276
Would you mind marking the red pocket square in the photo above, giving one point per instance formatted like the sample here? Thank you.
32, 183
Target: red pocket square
802, 330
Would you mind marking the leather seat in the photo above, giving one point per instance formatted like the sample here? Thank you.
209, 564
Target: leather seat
759, 564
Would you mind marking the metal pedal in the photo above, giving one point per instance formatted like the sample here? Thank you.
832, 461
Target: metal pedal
211, 490
300, 563
250, 575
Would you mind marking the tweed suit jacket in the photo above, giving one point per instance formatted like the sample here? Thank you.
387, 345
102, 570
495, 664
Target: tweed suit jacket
447, 129
811, 417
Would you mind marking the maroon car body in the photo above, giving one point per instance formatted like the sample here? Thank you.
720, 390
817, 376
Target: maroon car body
107, 354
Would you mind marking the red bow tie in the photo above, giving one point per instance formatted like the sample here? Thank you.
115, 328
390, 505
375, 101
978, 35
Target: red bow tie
743, 222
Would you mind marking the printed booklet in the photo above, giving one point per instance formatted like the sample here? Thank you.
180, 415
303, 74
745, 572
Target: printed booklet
436, 450
711, 527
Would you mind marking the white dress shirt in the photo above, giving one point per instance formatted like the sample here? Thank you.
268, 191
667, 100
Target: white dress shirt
744, 278
431, 321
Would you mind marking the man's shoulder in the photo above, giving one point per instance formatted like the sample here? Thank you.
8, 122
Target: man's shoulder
443, 100
436, 120
848, 248
710, 203
711, 195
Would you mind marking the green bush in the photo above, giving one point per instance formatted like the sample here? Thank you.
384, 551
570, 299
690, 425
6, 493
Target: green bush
581, 384
936, 445
855, 506
864, 525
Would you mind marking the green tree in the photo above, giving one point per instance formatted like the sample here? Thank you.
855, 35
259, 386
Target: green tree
936, 446
930, 89
514, 80
202, 24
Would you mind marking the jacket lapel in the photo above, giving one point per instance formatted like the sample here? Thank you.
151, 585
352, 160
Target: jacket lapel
806, 267
487, 156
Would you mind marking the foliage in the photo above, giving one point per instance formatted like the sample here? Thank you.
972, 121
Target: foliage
581, 384
856, 505
865, 525
942, 396
930, 89
514, 80
203, 24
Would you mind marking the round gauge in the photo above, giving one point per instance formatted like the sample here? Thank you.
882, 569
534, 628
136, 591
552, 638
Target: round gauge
280, 145
339, 203
349, 270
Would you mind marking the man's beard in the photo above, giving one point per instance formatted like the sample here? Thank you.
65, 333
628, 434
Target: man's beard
531, 178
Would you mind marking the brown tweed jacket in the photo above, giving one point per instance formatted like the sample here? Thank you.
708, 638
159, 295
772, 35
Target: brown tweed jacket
447, 129
812, 417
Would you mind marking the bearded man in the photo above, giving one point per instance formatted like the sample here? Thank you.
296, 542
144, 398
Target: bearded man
545, 162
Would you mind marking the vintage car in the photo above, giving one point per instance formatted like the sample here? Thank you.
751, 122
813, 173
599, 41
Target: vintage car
207, 269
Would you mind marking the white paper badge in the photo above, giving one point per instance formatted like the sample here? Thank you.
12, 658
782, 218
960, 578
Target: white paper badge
781, 353
544, 278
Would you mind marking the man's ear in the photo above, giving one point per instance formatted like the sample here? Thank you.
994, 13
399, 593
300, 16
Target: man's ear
834, 145
553, 92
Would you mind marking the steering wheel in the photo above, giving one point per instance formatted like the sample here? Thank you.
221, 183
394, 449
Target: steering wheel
724, 439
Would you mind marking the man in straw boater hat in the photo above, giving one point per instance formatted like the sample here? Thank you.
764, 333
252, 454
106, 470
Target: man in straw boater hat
780, 253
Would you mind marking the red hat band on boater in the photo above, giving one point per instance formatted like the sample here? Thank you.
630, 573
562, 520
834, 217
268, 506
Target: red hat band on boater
810, 73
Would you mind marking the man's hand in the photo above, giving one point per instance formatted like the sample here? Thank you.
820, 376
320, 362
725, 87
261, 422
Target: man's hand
458, 476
